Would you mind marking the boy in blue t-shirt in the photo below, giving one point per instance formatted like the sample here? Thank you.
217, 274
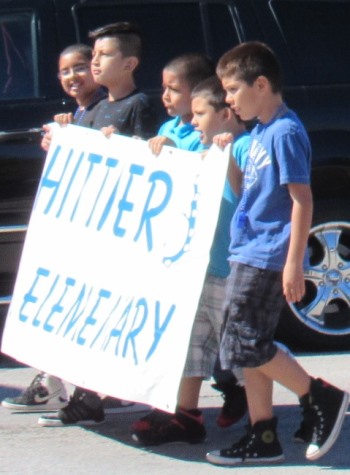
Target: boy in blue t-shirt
211, 116
179, 77
269, 230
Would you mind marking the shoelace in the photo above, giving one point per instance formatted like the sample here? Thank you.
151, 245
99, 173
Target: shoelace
243, 442
37, 382
308, 420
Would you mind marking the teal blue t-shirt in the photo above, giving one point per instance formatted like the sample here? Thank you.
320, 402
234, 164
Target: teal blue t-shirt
219, 253
186, 138
183, 135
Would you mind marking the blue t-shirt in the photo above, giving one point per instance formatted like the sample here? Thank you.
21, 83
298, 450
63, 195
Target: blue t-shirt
279, 154
183, 135
219, 253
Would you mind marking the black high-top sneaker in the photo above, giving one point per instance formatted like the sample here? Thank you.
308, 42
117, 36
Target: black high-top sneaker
329, 405
259, 445
84, 408
304, 433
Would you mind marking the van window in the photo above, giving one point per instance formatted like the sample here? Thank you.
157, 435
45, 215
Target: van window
222, 29
317, 35
17, 56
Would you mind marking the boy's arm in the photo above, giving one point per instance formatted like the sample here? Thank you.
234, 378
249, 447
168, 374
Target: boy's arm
234, 173
293, 273
156, 143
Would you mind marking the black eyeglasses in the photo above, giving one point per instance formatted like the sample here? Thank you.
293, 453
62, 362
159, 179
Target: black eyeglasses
77, 69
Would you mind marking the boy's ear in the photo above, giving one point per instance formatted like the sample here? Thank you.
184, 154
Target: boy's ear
131, 63
262, 83
227, 114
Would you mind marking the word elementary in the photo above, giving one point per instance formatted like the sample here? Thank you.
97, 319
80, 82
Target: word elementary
95, 317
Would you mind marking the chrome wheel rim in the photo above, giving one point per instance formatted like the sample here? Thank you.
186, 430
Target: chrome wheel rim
325, 307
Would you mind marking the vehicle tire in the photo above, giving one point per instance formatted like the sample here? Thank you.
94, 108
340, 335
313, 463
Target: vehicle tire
321, 321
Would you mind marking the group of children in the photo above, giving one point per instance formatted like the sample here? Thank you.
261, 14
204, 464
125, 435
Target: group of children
258, 253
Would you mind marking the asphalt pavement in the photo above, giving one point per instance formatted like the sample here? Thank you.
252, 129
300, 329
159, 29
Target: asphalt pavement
27, 448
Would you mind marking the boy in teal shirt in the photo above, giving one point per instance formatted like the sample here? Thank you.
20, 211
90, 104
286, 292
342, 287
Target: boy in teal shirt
211, 116
180, 76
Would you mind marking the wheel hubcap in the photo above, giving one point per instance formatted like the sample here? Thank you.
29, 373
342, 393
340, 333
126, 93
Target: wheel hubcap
325, 307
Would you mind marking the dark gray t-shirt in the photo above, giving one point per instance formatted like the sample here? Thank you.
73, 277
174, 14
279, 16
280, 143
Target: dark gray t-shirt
131, 115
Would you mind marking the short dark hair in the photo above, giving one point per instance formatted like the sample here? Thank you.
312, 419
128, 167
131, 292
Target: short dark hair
128, 35
211, 89
80, 48
250, 60
192, 67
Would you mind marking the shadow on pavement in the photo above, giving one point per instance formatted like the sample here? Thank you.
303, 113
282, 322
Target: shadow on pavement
9, 391
117, 427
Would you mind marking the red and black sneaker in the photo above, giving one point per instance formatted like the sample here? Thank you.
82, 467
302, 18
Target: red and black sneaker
235, 402
160, 427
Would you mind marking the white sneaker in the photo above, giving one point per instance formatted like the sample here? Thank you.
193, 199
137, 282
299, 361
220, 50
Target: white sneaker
45, 393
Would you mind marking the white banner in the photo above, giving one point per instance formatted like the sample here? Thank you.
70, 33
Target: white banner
113, 264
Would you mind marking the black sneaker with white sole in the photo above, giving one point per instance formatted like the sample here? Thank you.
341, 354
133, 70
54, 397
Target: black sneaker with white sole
329, 405
260, 445
304, 432
76, 412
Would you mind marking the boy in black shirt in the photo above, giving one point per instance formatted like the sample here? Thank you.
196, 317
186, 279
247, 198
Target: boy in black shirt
127, 111
116, 55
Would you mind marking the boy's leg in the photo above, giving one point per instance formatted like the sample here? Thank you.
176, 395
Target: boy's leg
245, 341
221, 375
189, 390
187, 423
259, 395
287, 371
304, 432
284, 369
254, 304
231, 386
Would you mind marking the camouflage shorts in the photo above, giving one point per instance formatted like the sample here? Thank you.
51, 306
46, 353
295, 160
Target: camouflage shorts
254, 300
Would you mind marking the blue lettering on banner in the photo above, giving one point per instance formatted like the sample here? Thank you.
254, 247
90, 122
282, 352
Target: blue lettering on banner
191, 224
126, 326
111, 183
149, 212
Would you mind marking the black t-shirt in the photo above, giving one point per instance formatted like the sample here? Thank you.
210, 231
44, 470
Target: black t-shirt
131, 115
84, 117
